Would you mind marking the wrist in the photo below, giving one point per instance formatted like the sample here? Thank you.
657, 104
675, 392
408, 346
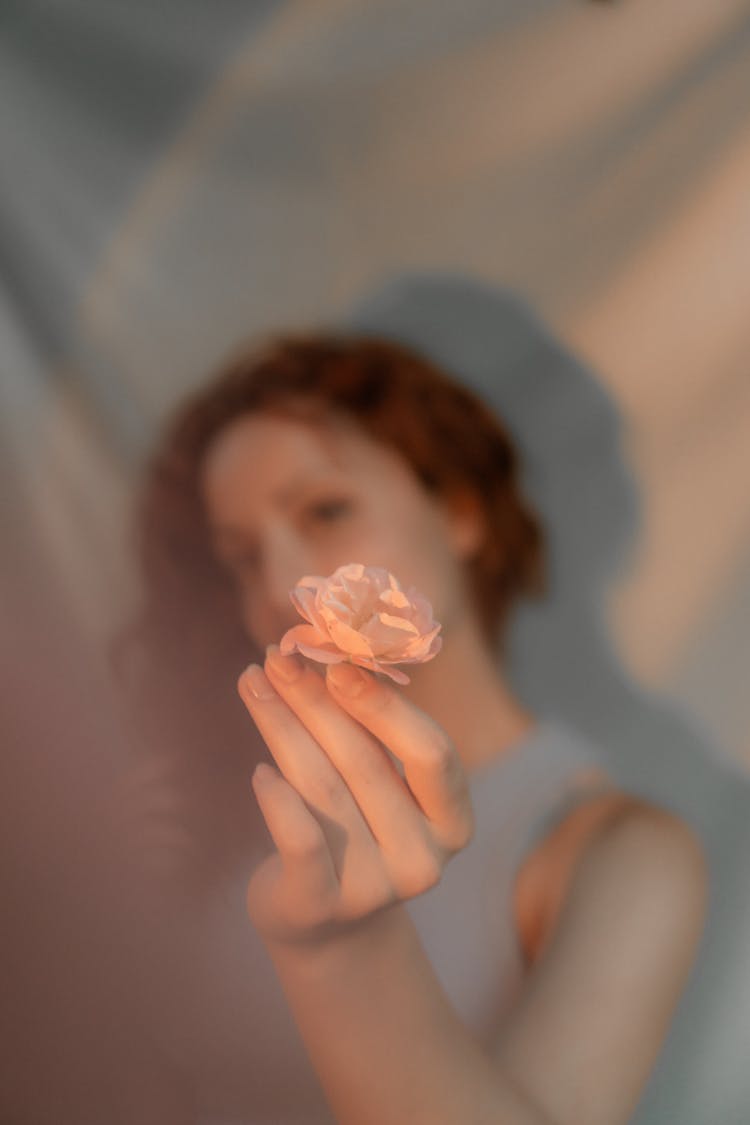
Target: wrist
333, 945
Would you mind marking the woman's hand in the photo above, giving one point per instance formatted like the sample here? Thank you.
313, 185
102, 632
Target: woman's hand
352, 834
354, 837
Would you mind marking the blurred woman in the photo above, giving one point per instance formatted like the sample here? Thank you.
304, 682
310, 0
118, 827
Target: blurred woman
490, 931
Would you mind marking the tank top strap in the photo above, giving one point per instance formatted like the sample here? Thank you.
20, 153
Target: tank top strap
466, 922
535, 786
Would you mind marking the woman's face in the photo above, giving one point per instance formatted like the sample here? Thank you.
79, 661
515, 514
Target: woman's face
286, 498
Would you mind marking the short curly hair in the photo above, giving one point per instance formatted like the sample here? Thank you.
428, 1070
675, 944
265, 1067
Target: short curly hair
177, 663
451, 440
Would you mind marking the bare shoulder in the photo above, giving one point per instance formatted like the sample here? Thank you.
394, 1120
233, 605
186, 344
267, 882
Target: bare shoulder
645, 831
646, 849
655, 858
617, 892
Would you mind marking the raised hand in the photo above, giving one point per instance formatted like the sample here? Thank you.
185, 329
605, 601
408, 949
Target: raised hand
352, 834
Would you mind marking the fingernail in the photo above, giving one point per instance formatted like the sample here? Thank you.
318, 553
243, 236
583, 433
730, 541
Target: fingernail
346, 678
262, 774
258, 682
287, 668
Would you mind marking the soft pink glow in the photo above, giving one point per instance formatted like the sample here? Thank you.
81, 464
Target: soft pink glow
362, 614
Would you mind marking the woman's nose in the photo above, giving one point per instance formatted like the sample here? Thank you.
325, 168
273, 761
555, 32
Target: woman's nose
284, 562
267, 611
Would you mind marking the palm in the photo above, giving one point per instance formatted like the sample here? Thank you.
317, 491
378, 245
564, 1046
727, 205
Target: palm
353, 836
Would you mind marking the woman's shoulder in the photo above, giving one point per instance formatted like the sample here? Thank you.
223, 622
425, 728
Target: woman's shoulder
605, 826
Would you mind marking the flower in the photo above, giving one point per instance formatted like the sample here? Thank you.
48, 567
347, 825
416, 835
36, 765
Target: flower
362, 614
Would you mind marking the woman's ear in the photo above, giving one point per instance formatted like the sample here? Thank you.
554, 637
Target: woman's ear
466, 522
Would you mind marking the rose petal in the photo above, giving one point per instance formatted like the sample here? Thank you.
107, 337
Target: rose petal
422, 610
322, 655
395, 674
395, 598
363, 614
360, 596
349, 640
401, 623
314, 582
302, 634
303, 600
422, 644
331, 612
393, 581
389, 635
349, 570
383, 669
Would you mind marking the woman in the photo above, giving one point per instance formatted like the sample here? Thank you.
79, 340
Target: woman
533, 978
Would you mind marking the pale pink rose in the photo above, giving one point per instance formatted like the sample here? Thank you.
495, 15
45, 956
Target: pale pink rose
361, 614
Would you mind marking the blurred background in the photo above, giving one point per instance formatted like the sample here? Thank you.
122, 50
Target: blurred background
179, 176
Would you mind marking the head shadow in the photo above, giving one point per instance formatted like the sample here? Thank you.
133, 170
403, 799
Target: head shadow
561, 658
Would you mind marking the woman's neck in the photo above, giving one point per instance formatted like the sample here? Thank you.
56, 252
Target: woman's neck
465, 691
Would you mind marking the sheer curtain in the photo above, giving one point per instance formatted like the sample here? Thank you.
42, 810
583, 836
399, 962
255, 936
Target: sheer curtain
177, 176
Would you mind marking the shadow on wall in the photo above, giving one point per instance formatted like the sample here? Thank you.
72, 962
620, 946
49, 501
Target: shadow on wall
562, 660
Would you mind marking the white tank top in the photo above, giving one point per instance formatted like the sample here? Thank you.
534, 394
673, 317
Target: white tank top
248, 1061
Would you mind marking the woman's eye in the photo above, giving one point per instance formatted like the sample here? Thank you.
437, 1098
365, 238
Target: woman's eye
327, 511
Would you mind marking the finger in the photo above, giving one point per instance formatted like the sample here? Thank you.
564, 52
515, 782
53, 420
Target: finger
309, 893
305, 766
295, 751
382, 796
309, 872
431, 763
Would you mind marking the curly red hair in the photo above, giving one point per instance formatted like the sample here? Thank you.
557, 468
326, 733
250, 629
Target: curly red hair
189, 632
449, 437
